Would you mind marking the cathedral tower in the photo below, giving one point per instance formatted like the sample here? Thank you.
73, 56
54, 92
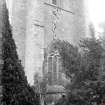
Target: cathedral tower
36, 23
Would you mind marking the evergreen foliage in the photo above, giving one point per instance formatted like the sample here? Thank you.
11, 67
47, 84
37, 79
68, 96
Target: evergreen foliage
88, 86
85, 69
16, 90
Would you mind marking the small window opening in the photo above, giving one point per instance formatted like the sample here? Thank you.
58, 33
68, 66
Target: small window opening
54, 2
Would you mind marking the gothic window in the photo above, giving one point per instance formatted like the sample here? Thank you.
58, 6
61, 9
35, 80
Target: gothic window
50, 70
53, 68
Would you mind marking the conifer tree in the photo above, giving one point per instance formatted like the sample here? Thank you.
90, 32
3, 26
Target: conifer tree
16, 90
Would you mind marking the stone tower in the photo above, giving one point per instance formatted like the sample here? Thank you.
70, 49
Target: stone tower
18, 14
37, 22
49, 20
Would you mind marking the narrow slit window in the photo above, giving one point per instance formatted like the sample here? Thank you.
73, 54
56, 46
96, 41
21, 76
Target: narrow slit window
54, 2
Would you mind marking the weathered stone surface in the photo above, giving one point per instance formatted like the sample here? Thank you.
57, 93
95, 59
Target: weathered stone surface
18, 22
33, 27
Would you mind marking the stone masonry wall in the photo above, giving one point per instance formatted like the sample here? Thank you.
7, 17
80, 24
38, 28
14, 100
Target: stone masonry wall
33, 27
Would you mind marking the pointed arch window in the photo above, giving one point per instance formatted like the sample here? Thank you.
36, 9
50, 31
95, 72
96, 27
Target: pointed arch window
53, 67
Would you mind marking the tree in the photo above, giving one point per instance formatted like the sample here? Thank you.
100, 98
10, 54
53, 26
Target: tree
16, 90
88, 85
94, 74
84, 67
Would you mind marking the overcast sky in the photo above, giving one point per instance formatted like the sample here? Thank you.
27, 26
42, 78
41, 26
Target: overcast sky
9, 6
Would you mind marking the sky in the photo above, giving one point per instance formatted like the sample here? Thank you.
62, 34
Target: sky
9, 6
96, 9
